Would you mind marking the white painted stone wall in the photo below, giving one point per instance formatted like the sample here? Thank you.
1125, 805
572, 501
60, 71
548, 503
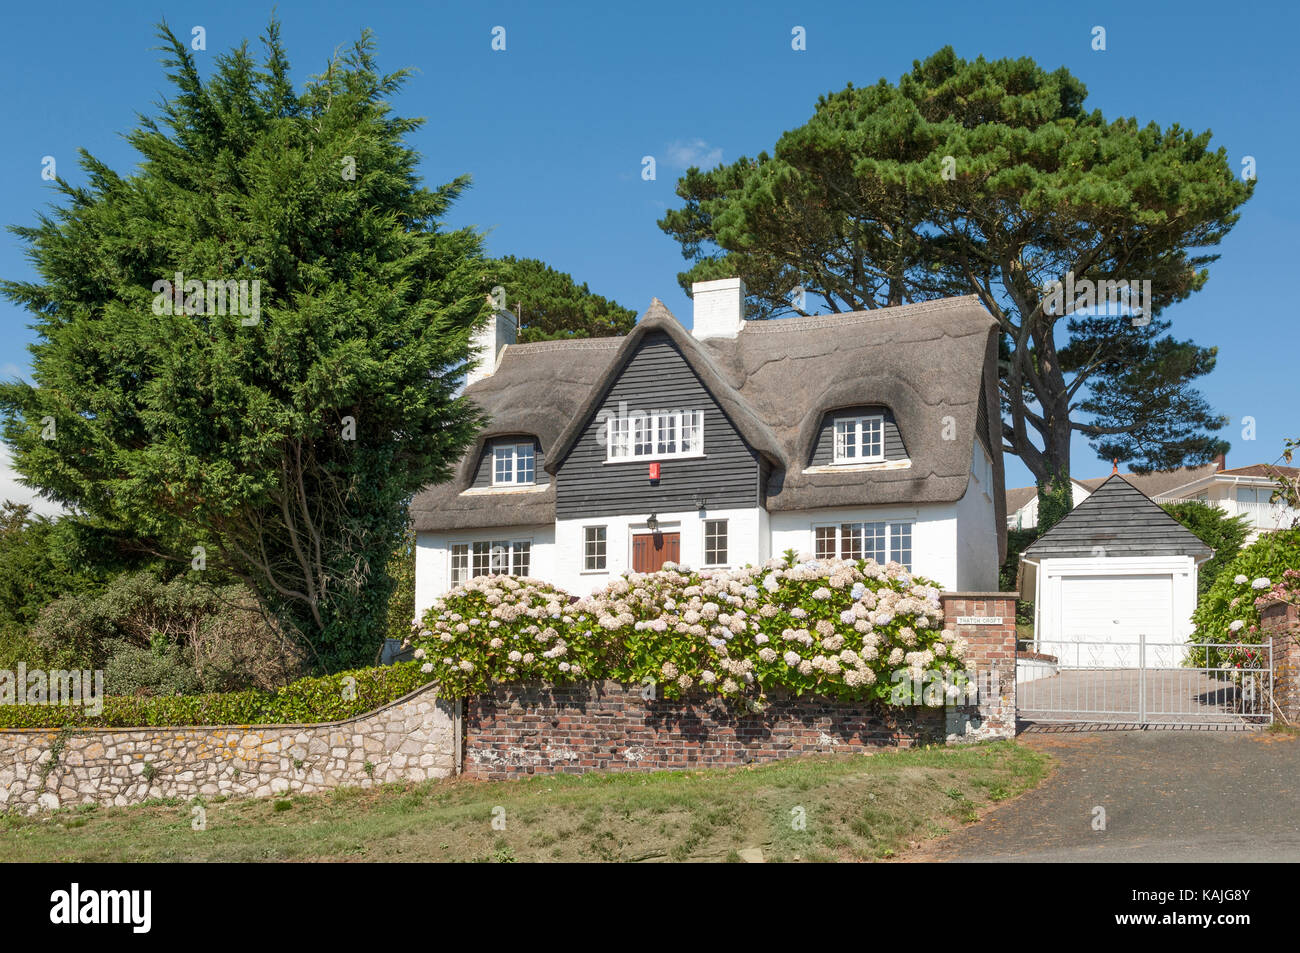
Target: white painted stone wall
411, 739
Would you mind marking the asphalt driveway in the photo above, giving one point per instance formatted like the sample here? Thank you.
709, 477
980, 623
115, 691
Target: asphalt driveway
1168, 795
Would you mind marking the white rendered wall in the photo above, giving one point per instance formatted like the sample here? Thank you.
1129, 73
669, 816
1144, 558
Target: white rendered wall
433, 556
934, 534
745, 543
977, 529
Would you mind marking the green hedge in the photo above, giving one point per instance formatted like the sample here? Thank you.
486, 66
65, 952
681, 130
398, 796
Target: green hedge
306, 701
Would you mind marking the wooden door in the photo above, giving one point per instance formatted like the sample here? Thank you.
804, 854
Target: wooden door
651, 550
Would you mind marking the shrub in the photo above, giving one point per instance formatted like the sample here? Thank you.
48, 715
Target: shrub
218, 632
1228, 611
1215, 528
830, 627
305, 701
160, 669
401, 604
499, 628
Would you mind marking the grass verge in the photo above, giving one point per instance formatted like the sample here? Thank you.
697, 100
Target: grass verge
823, 808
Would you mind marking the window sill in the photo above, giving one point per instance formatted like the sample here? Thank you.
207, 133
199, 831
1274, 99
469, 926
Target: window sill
506, 488
877, 465
659, 459
593, 572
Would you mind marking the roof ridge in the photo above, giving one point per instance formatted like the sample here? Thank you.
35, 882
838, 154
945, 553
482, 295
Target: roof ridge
534, 347
805, 321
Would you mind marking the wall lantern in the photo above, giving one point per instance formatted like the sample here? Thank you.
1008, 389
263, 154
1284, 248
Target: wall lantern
654, 471
652, 523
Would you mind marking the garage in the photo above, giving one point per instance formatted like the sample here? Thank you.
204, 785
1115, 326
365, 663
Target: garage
1114, 579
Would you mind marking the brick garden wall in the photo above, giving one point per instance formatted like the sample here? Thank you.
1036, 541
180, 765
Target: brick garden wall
1281, 622
603, 726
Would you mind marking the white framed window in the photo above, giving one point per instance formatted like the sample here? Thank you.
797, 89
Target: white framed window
513, 464
459, 563
674, 433
881, 540
594, 548
715, 542
490, 558
860, 439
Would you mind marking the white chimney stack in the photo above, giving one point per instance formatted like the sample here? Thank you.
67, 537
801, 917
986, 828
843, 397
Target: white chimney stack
719, 308
487, 342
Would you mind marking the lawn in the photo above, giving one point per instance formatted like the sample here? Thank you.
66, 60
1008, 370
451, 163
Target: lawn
822, 808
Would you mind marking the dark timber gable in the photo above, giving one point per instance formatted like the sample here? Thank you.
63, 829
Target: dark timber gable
657, 377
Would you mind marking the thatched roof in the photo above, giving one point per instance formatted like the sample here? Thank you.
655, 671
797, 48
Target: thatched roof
537, 388
925, 362
929, 363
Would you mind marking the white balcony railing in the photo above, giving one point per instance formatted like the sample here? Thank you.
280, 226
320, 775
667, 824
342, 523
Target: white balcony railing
1260, 515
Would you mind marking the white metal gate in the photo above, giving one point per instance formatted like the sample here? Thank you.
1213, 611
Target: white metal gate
1145, 684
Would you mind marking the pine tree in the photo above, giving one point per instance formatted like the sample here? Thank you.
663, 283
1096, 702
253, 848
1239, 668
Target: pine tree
991, 178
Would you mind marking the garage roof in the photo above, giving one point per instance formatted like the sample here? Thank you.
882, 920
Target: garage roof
1117, 520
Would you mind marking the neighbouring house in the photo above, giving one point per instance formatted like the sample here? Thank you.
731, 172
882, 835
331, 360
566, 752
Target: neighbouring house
857, 435
1116, 569
1240, 491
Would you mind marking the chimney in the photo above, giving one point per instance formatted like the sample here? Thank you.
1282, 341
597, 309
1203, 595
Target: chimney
1220, 463
487, 341
719, 308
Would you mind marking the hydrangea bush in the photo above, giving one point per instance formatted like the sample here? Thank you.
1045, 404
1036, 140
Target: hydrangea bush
1228, 612
501, 628
844, 629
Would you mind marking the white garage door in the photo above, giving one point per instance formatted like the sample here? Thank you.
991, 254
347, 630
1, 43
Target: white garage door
1102, 618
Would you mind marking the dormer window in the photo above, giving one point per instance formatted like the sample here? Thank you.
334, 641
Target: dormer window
860, 438
657, 434
514, 463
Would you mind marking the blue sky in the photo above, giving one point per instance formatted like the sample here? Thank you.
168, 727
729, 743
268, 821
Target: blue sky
553, 129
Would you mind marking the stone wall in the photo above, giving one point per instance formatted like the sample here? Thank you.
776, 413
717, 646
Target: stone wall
604, 726
411, 739
1281, 623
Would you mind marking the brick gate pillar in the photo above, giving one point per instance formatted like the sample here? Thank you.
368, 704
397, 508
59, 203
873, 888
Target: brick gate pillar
987, 621
1280, 622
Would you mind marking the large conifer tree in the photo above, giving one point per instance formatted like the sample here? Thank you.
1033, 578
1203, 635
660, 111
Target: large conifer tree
286, 438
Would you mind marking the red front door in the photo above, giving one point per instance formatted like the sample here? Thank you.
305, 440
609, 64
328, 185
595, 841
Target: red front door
651, 550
